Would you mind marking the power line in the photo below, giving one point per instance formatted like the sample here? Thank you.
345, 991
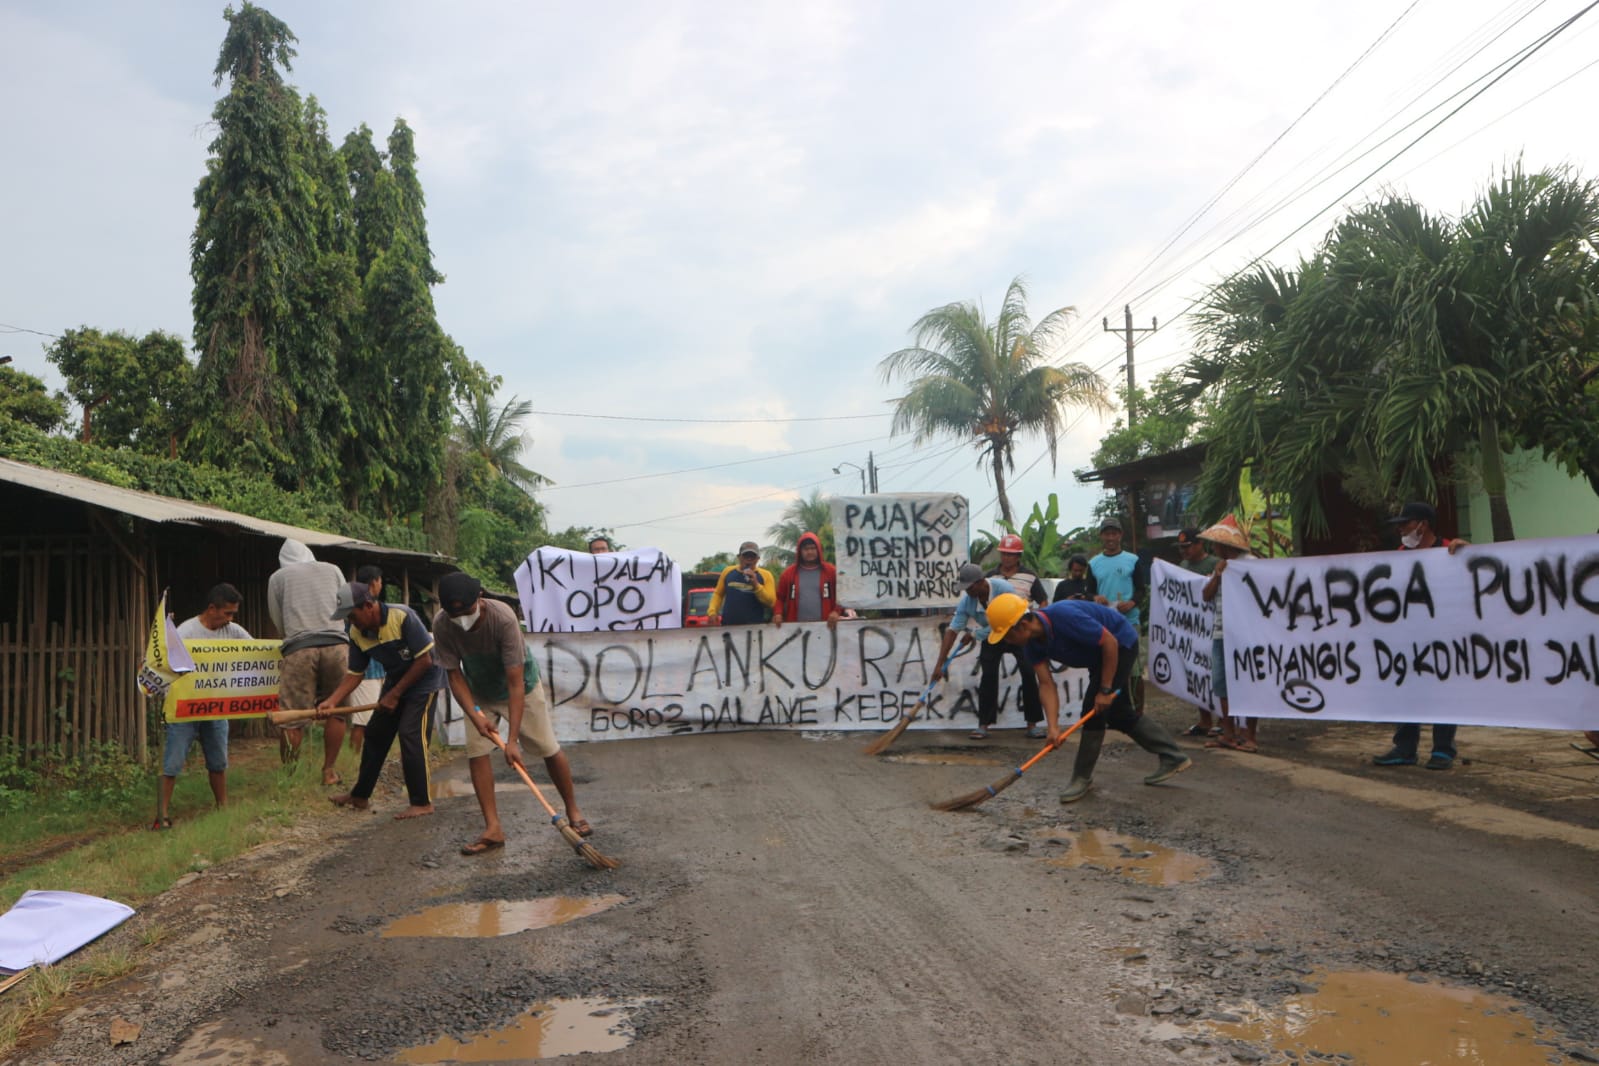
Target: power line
5, 328
733, 503
709, 421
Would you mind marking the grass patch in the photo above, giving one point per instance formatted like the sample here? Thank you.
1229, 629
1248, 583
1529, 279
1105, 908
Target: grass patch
102, 844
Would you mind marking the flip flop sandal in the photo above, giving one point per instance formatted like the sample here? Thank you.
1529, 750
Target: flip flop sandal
1196, 731
978, 734
479, 846
1221, 742
161, 823
582, 828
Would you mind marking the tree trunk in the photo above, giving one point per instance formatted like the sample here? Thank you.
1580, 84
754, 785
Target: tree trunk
1493, 480
998, 458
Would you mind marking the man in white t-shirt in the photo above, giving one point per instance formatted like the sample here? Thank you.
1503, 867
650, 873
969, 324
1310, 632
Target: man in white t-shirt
215, 622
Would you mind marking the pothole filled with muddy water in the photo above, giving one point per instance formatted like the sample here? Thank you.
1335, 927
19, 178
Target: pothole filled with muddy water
548, 1030
499, 917
1137, 860
1385, 1019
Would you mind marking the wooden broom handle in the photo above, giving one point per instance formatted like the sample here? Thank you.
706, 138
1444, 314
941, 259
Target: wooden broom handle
305, 714
498, 743
1028, 765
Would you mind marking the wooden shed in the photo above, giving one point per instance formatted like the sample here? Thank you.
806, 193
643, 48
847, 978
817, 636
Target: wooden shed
82, 564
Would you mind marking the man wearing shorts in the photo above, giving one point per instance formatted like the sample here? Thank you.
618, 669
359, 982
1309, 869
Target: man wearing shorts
302, 598
491, 672
214, 623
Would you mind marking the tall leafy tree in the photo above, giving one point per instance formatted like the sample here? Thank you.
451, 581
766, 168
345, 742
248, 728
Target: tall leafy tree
266, 375
413, 213
134, 393
25, 398
804, 514
989, 382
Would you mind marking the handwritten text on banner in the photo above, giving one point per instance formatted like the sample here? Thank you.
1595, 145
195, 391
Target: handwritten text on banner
900, 550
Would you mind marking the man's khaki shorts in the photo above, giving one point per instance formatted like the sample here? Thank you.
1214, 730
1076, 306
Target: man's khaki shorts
308, 676
538, 731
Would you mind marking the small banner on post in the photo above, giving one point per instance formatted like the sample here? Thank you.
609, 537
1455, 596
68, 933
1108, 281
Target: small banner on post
230, 679
566, 591
900, 550
1498, 634
1180, 634
165, 657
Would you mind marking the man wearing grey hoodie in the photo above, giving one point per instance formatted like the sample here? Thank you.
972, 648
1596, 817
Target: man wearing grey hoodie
302, 597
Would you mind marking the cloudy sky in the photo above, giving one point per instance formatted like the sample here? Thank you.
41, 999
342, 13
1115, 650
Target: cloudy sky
734, 211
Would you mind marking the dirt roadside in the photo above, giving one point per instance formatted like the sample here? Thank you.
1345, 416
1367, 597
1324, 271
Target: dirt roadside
787, 899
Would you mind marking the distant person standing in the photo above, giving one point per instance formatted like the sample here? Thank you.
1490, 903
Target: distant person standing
1022, 581
215, 622
302, 596
371, 686
808, 589
744, 592
1193, 556
1121, 581
1416, 523
971, 619
1237, 734
1078, 584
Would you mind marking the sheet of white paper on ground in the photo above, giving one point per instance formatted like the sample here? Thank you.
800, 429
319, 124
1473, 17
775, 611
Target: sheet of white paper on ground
44, 927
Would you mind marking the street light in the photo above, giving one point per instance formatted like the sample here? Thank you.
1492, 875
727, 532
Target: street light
839, 469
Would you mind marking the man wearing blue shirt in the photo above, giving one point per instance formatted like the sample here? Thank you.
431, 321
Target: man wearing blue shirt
1098, 638
1120, 582
970, 618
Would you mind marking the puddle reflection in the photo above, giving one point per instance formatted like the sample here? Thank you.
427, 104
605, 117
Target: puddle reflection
558, 1027
499, 917
1137, 860
1385, 1019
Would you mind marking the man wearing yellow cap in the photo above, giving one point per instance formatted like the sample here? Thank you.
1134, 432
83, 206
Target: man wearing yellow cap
1099, 639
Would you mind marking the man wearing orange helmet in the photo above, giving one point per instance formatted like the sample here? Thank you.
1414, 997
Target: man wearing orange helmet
1100, 639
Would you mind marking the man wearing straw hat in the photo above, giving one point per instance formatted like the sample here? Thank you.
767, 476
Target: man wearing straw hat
1229, 542
493, 675
1100, 639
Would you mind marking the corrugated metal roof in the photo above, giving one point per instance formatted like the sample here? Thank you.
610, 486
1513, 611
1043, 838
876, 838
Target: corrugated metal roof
155, 508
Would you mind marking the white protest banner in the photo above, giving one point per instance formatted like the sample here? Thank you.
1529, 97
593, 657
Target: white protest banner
899, 550
574, 592
804, 676
1498, 634
1179, 634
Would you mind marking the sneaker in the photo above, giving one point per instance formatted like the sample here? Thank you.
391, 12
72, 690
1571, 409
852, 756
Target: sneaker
1395, 757
1037, 731
1439, 761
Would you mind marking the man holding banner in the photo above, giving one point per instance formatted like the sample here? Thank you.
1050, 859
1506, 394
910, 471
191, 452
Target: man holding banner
1099, 639
215, 622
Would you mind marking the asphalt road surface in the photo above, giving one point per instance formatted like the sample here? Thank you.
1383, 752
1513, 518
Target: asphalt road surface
785, 899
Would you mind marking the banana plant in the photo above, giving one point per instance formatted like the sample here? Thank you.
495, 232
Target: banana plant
1041, 539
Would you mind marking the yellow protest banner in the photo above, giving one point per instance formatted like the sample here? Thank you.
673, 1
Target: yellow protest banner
165, 658
230, 679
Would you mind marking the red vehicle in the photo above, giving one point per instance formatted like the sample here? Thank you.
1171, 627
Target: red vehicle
697, 592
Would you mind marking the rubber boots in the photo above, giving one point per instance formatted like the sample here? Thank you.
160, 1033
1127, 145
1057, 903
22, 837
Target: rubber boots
1153, 738
1088, 745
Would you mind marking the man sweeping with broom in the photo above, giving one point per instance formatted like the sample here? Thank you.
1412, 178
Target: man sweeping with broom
1100, 639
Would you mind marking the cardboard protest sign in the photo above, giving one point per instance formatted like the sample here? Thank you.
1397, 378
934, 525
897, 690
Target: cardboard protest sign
1498, 634
574, 592
900, 550
230, 679
1180, 634
804, 676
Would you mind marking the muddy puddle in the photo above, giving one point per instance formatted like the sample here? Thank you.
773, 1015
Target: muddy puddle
1137, 860
499, 917
208, 1045
944, 758
558, 1027
1385, 1019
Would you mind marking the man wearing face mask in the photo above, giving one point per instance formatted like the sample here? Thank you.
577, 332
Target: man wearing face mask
493, 674
1416, 522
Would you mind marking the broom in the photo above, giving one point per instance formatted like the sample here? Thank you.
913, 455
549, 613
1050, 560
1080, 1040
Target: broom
886, 741
972, 799
588, 851
292, 715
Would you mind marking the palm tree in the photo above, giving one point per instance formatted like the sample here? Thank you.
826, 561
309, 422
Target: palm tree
970, 378
804, 514
496, 437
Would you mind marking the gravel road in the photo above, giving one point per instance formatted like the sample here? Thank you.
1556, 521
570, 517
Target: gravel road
786, 899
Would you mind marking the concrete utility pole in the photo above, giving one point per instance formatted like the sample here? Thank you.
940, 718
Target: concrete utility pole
1131, 335
871, 467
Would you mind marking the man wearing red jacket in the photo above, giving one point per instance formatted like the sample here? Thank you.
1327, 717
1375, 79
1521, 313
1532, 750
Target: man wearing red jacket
808, 590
